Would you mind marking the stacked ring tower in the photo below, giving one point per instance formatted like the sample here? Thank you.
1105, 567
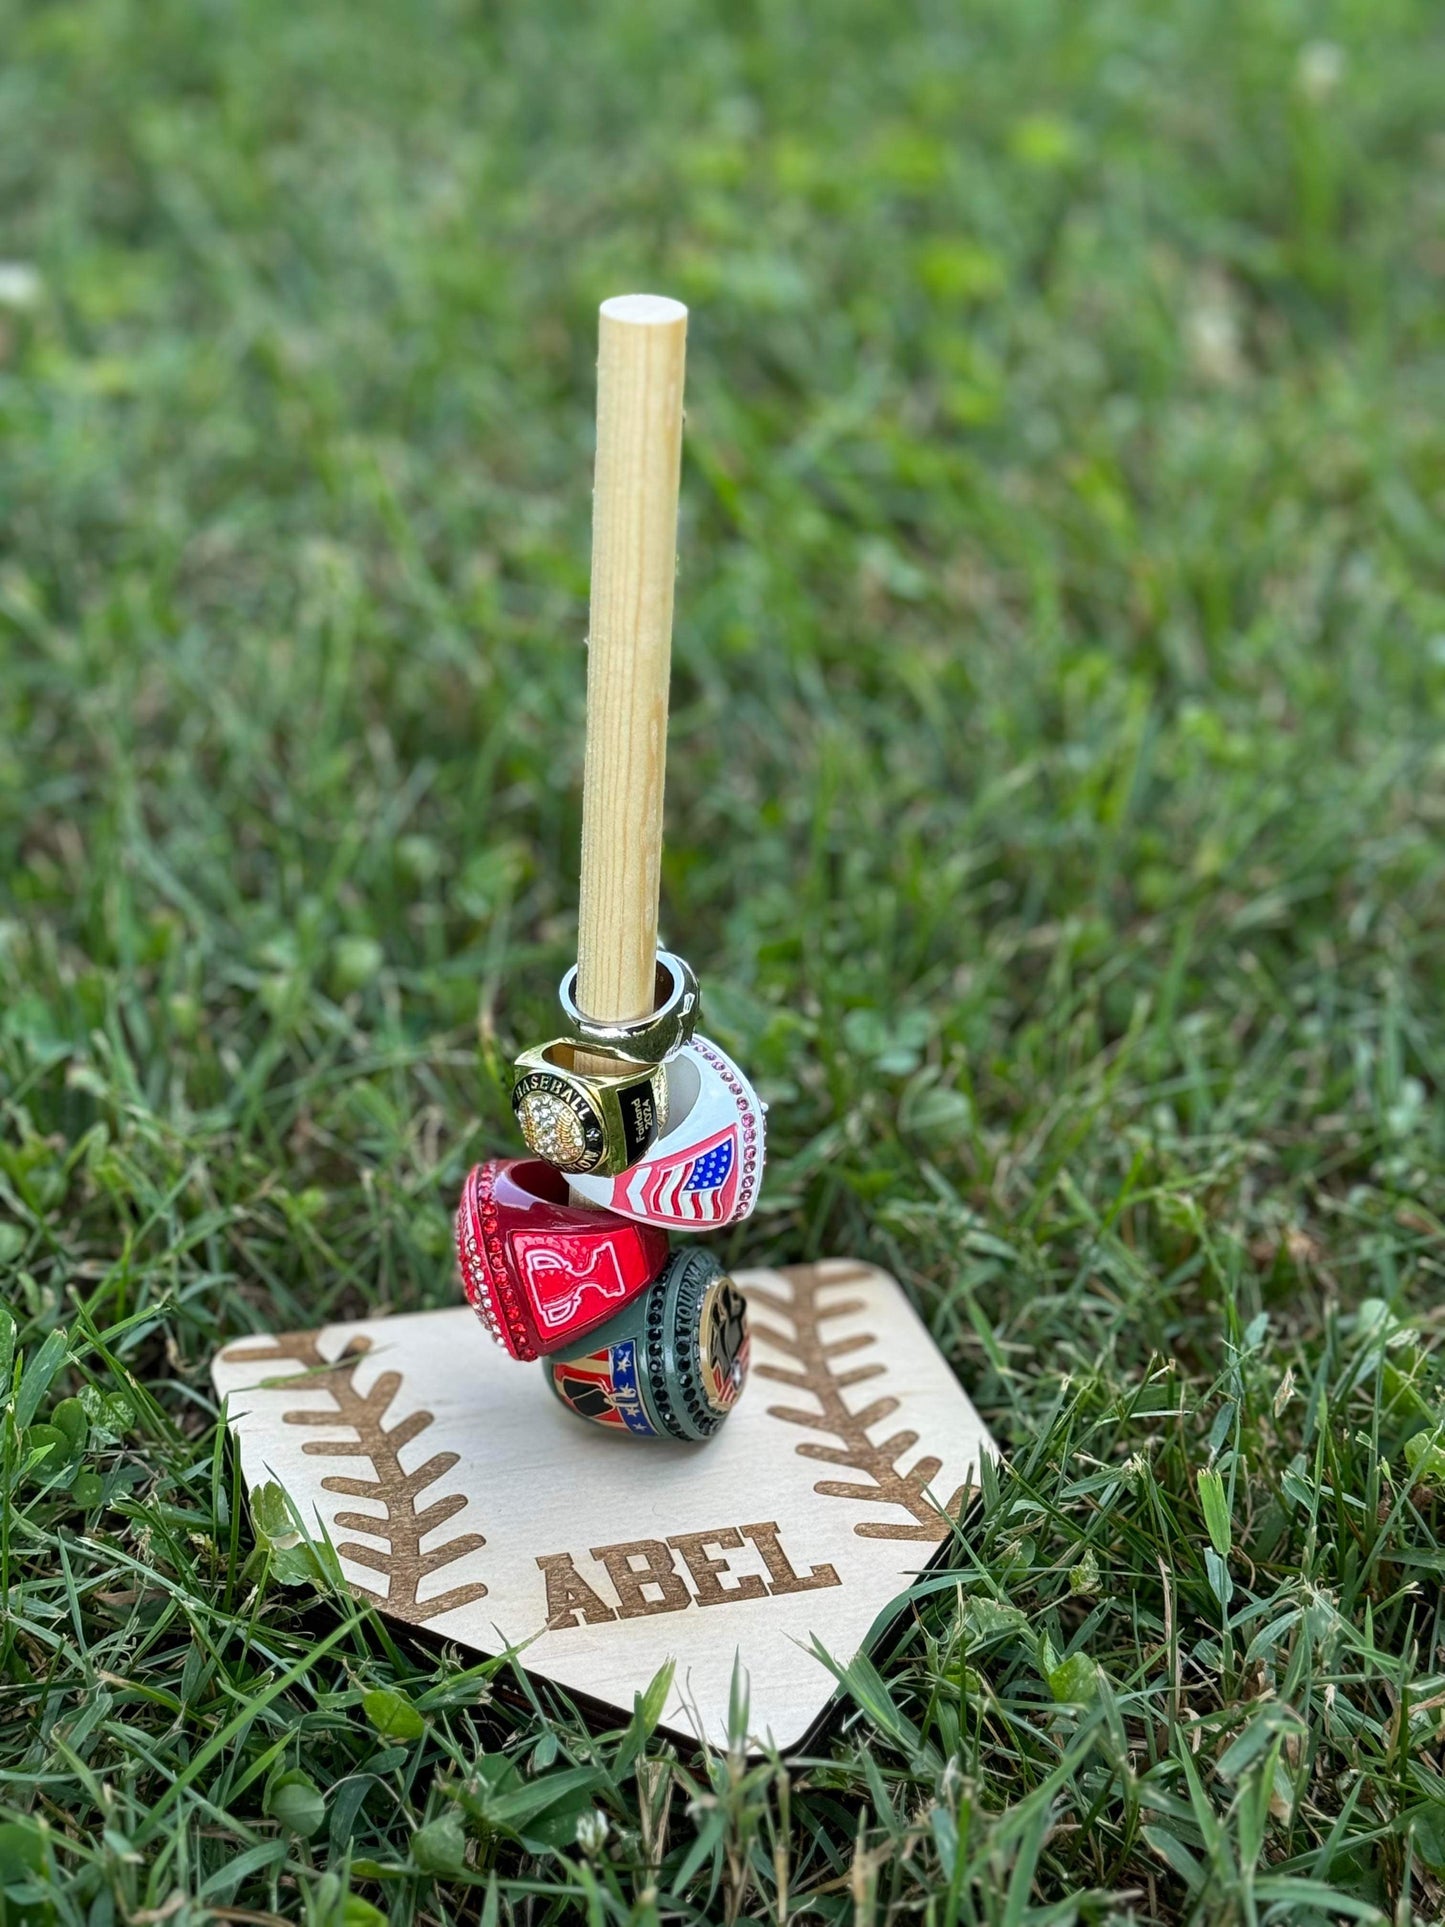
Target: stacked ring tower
565, 1256
639, 1127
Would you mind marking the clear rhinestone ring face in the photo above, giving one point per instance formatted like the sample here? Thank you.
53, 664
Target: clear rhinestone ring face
551, 1131
600, 1119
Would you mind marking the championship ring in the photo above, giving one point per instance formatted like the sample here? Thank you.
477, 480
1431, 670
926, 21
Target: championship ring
705, 1169
671, 1364
583, 1121
646, 1040
538, 1271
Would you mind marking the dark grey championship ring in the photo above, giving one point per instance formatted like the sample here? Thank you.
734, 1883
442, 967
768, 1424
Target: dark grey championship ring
671, 1364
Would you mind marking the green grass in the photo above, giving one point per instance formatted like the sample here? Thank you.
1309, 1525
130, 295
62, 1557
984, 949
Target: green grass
1055, 813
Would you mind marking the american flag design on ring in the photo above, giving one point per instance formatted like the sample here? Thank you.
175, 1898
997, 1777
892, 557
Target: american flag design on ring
706, 1170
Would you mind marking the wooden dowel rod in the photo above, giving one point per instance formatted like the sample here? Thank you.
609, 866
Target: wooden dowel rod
642, 346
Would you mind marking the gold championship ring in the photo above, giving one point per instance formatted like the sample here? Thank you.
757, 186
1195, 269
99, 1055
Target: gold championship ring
583, 1121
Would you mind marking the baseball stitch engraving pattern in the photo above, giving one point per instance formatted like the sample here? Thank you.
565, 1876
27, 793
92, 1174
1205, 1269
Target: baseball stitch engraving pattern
813, 1370
402, 1524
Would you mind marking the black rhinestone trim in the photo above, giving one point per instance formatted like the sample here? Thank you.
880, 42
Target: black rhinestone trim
688, 1276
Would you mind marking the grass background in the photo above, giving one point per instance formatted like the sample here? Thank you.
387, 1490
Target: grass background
1055, 807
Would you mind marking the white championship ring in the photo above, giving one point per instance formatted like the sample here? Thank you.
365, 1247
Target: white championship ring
706, 1170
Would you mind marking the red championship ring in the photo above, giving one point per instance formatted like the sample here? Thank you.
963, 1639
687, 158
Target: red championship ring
540, 1272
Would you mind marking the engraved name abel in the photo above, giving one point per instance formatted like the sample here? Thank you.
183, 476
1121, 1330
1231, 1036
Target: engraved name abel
651, 1575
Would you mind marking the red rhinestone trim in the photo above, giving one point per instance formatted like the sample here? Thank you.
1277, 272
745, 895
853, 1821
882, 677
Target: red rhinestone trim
481, 1260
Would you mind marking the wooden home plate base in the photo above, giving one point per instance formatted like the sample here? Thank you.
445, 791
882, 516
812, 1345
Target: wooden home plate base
461, 1496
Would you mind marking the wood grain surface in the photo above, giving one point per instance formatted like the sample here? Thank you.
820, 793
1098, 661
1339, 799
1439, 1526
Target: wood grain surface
461, 1495
642, 345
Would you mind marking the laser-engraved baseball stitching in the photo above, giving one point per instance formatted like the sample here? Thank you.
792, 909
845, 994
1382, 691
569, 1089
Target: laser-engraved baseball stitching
402, 1525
